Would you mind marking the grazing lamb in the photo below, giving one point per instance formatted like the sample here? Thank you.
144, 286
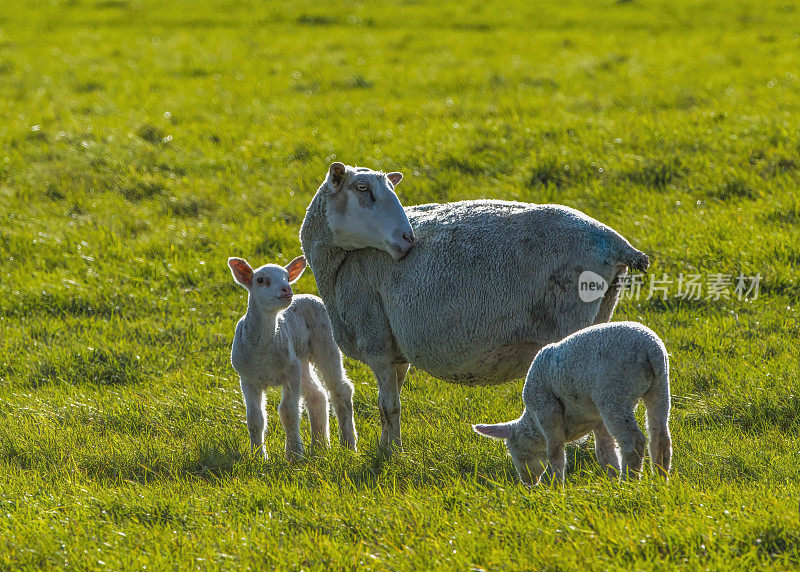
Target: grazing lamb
468, 291
274, 344
592, 380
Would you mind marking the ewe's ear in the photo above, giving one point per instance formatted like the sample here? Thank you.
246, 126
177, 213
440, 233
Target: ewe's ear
499, 431
395, 178
336, 174
295, 268
242, 272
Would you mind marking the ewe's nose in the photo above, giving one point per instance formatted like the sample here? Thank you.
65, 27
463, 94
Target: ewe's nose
401, 242
406, 241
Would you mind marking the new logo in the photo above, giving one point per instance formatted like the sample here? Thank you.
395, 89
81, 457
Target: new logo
591, 286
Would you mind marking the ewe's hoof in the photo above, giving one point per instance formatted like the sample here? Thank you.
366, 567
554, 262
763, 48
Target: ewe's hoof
349, 444
395, 446
295, 454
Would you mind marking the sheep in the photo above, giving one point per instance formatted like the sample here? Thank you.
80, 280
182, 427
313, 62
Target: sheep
592, 380
467, 291
275, 343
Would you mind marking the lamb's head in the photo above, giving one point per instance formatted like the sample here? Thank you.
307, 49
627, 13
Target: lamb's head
269, 285
527, 452
363, 210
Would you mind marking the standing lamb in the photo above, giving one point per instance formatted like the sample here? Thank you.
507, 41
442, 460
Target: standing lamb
592, 380
486, 285
275, 343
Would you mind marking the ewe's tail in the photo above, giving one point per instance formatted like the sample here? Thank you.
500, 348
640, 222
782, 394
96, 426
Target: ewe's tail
625, 256
635, 259
642, 262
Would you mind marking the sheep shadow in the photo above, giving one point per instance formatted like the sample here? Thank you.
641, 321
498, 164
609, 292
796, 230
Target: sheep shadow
216, 461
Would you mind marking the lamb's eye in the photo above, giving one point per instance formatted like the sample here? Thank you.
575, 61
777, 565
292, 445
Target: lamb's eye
260, 280
266, 281
363, 187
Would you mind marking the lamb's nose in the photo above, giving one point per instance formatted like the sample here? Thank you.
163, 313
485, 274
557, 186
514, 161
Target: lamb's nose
286, 290
408, 237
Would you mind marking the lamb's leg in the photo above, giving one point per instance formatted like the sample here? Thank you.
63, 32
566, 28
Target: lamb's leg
289, 411
317, 404
389, 405
660, 445
328, 362
606, 450
550, 417
256, 417
402, 370
621, 423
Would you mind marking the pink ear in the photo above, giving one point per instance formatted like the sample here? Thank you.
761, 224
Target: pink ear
241, 271
395, 178
499, 431
295, 268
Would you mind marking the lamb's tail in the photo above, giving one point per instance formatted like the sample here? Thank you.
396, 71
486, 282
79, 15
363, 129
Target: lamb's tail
657, 402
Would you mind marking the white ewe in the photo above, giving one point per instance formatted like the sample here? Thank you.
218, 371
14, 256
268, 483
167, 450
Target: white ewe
469, 295
275, 343
592, 380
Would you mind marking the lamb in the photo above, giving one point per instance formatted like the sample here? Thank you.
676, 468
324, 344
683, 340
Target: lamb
275, 343
592, 380
467, 291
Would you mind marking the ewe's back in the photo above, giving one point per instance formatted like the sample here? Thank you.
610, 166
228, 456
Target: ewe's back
488, 283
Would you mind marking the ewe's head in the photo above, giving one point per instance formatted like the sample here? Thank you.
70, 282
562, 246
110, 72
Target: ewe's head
269, 285
526, 451
363, 210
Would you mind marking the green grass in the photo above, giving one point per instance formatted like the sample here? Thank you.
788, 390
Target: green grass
142, 143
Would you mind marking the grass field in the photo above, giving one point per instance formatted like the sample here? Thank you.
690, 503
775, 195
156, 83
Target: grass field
143, 142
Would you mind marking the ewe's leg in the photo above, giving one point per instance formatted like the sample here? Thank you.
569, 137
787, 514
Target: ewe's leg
621, 423
606, 450
550, 417
609, 301
389, 405
328, 363
289, 411
660, 445
402, 370
317, 404
256, 418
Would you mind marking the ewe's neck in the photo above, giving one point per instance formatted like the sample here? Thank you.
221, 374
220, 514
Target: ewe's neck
261, 325
316, 239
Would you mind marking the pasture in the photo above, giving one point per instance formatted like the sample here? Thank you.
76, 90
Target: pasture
144, 142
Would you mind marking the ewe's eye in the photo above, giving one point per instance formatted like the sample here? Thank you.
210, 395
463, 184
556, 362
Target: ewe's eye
363, 187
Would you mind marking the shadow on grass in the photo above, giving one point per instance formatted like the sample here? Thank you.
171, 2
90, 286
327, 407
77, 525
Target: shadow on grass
216, 462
